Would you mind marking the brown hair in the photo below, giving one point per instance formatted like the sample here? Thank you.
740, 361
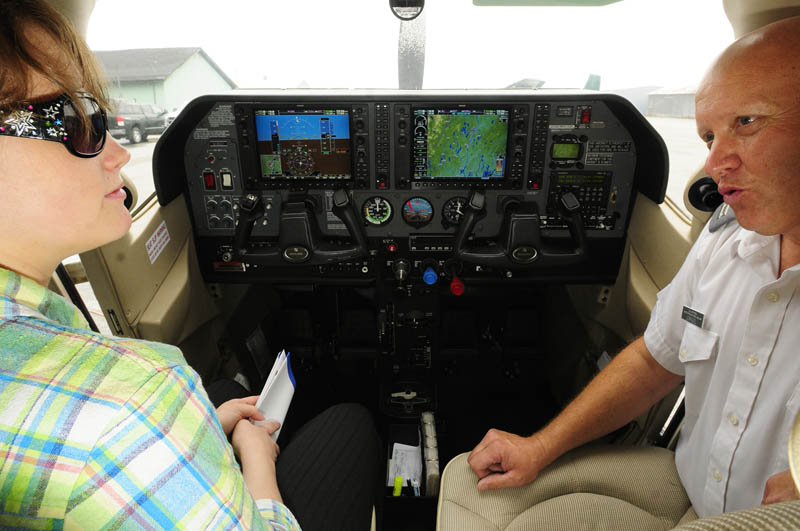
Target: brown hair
19, 56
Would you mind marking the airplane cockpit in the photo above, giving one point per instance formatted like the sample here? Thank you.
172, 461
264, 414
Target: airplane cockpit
415, 243
452, 259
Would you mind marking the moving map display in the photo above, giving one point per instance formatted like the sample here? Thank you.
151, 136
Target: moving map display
303, 144
460, 143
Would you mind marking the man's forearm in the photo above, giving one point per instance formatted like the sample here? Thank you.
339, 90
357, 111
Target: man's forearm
627, 387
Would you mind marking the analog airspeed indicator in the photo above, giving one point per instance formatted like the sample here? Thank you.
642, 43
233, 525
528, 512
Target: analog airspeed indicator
377, 211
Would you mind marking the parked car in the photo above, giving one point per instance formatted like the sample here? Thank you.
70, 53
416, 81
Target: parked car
171, 115
135, 121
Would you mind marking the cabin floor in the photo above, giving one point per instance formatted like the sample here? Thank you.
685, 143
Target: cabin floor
488, 360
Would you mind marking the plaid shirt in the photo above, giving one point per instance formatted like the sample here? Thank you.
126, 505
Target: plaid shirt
106, 432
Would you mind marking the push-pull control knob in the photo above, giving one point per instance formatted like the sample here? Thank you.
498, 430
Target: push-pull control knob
429, 276
456, 286
400, 269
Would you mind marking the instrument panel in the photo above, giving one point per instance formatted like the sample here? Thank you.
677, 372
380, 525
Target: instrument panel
332, 186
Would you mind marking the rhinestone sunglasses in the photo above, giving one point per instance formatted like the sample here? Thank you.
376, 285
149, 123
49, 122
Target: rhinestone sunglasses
58, 120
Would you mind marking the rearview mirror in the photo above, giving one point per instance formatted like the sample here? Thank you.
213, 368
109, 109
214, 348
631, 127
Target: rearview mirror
406, 9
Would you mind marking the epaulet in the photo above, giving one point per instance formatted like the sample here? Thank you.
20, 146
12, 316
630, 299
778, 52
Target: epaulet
723, 215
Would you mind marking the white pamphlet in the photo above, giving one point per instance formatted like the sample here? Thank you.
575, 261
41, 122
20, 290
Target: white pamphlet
277, 393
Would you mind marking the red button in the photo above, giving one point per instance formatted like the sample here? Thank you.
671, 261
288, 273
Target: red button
391, 247
586, 116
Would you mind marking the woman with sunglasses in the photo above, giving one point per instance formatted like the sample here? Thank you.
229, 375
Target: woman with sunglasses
102, 431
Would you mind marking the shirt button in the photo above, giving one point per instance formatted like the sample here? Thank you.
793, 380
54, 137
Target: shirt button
773, 296
734, 419
717, 476
752, 360
683, 354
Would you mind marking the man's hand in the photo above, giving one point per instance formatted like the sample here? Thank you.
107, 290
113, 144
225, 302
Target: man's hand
503, 460
232, 411
780, 488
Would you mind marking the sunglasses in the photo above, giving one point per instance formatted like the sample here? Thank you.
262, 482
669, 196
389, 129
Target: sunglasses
58, 120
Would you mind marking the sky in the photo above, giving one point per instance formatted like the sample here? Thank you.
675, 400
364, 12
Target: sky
354, 43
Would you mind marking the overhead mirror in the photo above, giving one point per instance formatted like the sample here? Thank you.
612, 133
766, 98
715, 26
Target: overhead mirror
406, 9
551, 3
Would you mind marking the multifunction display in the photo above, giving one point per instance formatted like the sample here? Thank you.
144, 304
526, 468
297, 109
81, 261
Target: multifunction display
459, 143
303, 143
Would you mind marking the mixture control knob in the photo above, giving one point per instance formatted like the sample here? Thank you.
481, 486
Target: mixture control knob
429, 276
400, 269
456, 286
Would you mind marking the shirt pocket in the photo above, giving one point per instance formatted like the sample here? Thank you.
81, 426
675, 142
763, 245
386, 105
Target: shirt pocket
790, 412
697, 352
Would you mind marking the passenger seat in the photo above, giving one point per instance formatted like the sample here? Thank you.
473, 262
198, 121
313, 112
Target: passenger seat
592, 481
594, 487
583, 491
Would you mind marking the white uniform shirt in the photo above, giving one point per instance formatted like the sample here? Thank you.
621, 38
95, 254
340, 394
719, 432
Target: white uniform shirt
741, 368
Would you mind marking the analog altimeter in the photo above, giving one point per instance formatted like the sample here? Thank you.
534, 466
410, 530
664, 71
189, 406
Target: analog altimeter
453, 210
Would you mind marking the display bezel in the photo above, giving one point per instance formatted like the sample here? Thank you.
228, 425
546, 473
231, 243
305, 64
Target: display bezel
300, 109
454, 109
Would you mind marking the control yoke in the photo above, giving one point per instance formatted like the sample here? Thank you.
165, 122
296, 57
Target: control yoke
300, 240
519, 244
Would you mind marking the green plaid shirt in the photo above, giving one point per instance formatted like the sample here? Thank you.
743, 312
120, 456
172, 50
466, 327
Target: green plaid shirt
108, 432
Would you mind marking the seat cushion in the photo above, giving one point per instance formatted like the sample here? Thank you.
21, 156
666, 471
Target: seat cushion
775, 517
593, 488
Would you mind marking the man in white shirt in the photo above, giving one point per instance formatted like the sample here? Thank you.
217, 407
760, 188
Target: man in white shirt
729, 323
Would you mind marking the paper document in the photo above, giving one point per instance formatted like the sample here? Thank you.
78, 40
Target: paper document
406, 463
277, 393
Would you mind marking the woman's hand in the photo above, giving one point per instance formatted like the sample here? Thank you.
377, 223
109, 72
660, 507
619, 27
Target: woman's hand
254, 442
237, 409
257, 452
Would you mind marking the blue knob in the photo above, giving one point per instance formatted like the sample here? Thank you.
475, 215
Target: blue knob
429, 276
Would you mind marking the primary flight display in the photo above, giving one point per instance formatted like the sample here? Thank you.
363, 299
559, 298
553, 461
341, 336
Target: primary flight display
303, 143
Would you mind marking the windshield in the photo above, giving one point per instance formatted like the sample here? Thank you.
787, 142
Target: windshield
651, 52
354, 44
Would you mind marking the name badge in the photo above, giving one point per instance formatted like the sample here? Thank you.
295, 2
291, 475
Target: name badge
693, 316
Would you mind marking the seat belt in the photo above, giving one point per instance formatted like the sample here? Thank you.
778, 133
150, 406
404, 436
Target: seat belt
74, 296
